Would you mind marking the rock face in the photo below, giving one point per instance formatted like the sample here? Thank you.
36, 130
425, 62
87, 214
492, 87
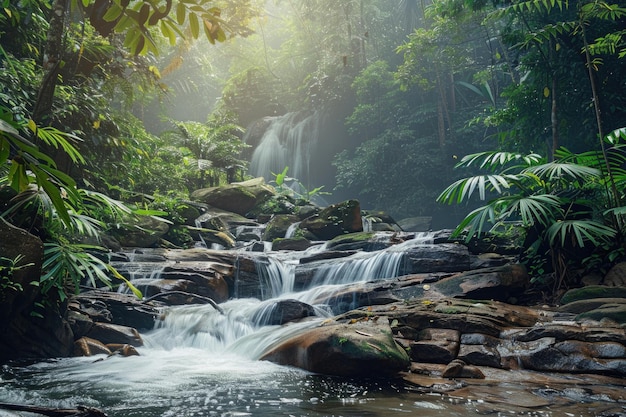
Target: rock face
502, 336
364, 348
27, 332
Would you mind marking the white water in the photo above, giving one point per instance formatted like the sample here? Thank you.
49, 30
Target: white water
199, 362
289, 141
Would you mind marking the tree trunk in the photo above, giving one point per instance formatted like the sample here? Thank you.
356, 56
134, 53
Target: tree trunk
554, 120
53, 55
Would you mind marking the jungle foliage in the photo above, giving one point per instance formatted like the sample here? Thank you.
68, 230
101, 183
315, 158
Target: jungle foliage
110, 101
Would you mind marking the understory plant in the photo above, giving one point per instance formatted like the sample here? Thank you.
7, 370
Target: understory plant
45, 201
570, 208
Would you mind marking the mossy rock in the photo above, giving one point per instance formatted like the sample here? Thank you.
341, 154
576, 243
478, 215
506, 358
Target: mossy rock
297, 243
337, 219
351, 239
238, 198
614, 312
278, 226
593, 291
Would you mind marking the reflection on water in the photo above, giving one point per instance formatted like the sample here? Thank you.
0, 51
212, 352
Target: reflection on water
195, 382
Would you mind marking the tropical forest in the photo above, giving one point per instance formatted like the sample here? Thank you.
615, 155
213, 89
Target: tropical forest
312, 208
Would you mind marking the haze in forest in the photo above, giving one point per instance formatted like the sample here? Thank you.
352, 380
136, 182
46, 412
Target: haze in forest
368, 99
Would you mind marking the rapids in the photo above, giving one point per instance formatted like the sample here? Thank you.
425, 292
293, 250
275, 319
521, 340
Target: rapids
200, 362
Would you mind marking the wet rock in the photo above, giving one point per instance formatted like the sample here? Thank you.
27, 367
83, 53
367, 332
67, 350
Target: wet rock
122, 309
498, 283
445, 257
615, 312
237, 198
113, 333
591, 292
435, 346
582, 306
139, 231
80, 323
209, 284
335, 220
490, 260
479, 355
356, 241
513, 351
562, 358
353, 296
222, 220
43, 334
459, 369
122, 349
281, 312
296, 244
364, 348
210, 236
572, 331
277, 227
86, 346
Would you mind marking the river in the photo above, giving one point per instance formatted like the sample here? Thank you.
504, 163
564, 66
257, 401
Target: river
199, 361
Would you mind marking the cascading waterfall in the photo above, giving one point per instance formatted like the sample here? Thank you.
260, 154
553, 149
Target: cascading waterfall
289, 141
200, 361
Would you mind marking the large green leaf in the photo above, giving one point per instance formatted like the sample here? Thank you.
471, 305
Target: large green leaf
579, 232
555, 170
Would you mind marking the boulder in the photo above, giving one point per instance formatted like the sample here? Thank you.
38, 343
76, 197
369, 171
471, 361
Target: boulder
16, 293
113, 333
578, 357
335, 220
139, 231
498, 283
281, 312
28, 331
296, 244
277, 227
591, 292
239, 198
86, 346
358, 349
445, 257
416, 224
209, 236
116, 308
435, 346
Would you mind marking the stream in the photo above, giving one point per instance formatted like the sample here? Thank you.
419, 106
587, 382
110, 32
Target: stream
200, 362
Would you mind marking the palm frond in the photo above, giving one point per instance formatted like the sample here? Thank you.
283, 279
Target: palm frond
464, 188
556, 170
475, 222
579, 232
493, 160
532, 209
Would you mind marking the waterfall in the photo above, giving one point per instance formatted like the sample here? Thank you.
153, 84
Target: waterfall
289, 141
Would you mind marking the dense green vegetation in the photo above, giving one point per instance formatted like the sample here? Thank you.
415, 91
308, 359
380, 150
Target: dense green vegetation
143, 101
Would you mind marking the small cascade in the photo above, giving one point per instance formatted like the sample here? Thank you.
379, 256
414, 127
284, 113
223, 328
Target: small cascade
289, 141
368, 266
363, 266
291, 230
235, 331
202, 326
277, 274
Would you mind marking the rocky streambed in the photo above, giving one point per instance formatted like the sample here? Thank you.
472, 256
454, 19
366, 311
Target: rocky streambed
417, 311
